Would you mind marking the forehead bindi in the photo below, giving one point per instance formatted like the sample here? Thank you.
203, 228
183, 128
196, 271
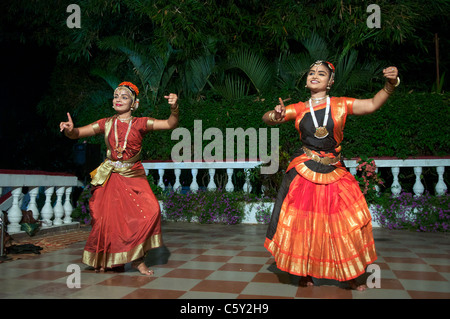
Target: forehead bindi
319, 68
122, 92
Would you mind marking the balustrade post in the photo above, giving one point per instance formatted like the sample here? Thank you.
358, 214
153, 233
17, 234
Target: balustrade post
418, 187
211, 184
58, 209
161, 180
32, 205
247, 185
194, 184
177, 185
47, 210
229, 187
440, 188
396, 188
15, 213
68, 208
377, 188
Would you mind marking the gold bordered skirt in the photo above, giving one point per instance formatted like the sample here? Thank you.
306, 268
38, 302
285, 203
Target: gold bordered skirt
126, 222
323, 230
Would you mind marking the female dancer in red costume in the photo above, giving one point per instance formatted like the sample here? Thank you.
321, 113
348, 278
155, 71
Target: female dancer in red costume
126, 217
321, 225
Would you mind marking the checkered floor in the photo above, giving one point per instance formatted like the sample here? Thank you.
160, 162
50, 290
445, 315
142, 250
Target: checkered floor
230, 262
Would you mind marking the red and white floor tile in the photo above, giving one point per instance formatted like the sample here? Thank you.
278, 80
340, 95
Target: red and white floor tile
227, 262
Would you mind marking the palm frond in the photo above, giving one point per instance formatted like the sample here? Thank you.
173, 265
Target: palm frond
317, 47
259, 70
233, 87
197, 73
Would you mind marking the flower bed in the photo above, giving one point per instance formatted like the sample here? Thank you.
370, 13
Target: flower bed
212, 207
420, 213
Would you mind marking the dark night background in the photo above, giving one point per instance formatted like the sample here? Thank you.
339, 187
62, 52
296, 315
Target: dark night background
27, 141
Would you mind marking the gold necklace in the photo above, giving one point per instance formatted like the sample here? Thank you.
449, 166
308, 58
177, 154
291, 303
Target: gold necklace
124, 120
317, 99
321, 131
121, 149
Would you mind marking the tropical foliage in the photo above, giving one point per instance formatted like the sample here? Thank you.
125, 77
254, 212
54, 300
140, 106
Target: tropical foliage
221, 55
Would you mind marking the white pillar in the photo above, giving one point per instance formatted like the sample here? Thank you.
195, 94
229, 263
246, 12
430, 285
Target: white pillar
194, 184
211, 185
15, 213
47, 210
229, 187
247, 185
418, 187
161, 176
395, 187
58, 210
441, 188
177, 185
32, 205
377, 188
68, 208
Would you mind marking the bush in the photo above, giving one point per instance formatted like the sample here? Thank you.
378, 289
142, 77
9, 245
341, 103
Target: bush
210, 207
422, 213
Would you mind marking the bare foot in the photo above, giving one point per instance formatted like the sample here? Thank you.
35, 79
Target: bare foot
354, 286
306, 281
101, 269
143, 269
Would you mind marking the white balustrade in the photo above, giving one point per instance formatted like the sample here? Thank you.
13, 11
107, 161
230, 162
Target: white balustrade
394, 164
417, 164
59, 214
49, 214
230, 168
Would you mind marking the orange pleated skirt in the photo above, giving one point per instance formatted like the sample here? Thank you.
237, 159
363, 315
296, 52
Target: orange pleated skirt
324, 230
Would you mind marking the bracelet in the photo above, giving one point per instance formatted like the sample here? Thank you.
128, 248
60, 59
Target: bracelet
272, 117
175, 110
389, 88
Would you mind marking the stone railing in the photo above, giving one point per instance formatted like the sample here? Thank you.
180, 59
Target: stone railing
393, 164
417, 164
193, 167
13, 185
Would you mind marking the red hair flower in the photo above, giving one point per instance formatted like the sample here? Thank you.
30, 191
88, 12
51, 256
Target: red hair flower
131, 86
331, 65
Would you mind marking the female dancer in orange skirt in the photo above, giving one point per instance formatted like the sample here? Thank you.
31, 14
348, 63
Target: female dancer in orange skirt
126, 217
321, 225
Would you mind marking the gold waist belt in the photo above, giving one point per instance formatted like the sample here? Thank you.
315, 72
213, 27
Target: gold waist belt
321, 160
101, 174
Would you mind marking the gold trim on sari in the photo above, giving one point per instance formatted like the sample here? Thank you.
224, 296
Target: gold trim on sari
107, 260
102, 173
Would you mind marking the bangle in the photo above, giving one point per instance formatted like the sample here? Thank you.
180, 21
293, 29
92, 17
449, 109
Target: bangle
175, 110
389, 88
272, 117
